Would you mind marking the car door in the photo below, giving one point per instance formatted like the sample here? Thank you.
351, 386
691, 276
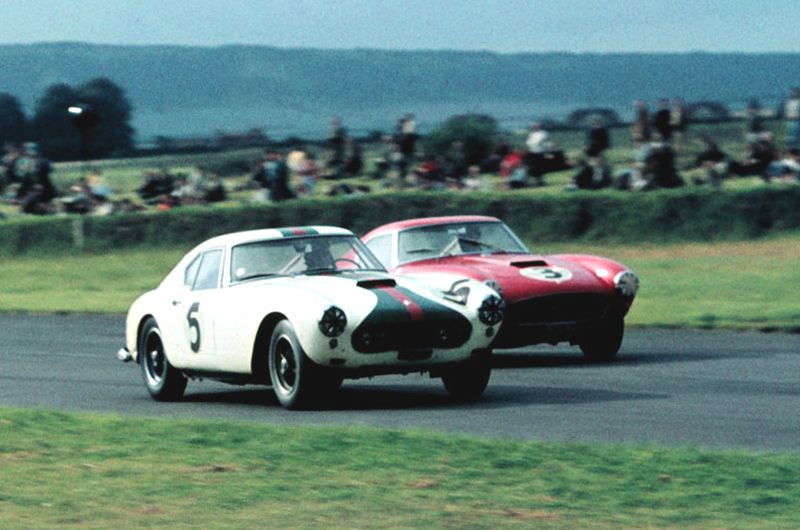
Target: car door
193, 310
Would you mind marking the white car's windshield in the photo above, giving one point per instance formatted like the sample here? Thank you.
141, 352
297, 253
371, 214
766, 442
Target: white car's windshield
454, 239
301, 255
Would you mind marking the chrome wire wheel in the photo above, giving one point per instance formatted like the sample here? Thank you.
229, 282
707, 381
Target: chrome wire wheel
163, 381
285, 365
154, 359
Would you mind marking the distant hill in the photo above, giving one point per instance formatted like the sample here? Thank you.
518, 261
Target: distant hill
180, 91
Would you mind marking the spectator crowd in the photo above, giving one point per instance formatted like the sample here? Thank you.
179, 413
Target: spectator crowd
658, 140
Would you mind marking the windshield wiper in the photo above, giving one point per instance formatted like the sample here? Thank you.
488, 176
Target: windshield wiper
258, 275
480, 243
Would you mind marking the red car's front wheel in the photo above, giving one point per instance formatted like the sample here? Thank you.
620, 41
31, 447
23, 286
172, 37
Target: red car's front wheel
602, 341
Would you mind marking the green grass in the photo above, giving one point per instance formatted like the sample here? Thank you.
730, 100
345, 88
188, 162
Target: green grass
743, 285
84, 471
739, 285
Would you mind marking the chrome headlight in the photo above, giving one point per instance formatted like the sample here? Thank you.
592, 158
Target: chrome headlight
332, 322
492, 284
491, 310
627, 283
458, 292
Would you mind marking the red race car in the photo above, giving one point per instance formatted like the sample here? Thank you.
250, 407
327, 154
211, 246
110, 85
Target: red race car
576, 298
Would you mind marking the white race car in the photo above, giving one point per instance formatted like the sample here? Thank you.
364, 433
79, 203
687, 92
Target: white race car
301, 309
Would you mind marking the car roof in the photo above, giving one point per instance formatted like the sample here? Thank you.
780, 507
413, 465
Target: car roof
430, 221
266, 234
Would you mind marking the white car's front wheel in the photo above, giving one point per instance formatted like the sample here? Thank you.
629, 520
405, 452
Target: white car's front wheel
467, 380
163, 381
296, 380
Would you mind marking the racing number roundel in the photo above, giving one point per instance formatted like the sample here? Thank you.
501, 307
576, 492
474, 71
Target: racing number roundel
547, 274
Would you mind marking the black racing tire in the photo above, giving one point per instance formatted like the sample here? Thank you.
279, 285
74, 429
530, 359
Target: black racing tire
297, 381
467, 380
603, 340
163, 381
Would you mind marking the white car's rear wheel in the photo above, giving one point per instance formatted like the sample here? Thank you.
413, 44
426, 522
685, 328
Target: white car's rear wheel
163, 381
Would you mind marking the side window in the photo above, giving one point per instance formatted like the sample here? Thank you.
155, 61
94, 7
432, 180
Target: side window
191, 271
208, 273
381, 246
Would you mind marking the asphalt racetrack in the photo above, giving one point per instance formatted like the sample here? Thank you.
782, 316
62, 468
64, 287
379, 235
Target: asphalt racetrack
701, 388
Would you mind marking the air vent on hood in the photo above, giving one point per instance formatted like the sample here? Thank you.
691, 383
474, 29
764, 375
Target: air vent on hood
377, 283
529, 263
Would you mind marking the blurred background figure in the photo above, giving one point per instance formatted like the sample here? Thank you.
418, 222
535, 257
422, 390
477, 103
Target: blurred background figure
597, 138
791, 113
640, 130
661, 120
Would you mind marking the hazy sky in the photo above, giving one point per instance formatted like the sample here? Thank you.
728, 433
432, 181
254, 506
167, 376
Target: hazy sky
496, 25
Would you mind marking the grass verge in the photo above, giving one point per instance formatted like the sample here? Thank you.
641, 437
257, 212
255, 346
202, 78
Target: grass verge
739, 285
86, 471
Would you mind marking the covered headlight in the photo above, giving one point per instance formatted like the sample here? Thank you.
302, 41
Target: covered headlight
458, 292
627, 283
332, 322
491, 310
492, 284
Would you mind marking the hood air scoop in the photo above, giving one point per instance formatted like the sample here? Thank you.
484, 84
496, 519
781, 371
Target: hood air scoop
377, 283
529, 263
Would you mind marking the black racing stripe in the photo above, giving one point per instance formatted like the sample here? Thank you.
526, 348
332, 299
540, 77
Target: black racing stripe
390, 325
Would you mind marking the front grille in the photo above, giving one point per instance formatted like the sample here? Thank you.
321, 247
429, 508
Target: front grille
411, 336
574, 307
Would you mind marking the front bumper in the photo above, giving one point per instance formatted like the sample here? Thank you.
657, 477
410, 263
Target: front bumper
124, 355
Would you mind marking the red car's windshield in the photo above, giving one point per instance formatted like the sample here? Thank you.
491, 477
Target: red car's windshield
301, 255
454, 239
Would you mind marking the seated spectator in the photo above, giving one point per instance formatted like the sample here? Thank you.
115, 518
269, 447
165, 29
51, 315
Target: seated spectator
493, 162
474, 181
760, 154
713, 161
659, 165
156, 185
594, 174
786, 169
518, 178
510, 162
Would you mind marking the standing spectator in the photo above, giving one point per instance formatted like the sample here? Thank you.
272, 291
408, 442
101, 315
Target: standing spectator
336, 144
678, 123
754, 125
791, 113
8, 175
308, 174
355, 160
408, 137
597, 138
36, 190
538, 143
661, 120
640, 131
278, 177
456, 166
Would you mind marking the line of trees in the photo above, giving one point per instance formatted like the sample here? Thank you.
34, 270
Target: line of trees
62, 135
